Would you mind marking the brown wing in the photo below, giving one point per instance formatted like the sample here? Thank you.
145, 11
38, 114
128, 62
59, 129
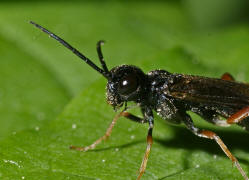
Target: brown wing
210, 91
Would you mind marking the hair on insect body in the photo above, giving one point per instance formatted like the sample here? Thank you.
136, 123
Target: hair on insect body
170, 95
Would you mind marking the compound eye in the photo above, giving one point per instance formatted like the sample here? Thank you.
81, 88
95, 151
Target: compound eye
128, 84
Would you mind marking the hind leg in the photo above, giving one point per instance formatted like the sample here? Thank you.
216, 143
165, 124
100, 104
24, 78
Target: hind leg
238, 116
227, 76
241, 118
211, 135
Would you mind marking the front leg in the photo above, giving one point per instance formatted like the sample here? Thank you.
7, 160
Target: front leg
148, 116
106, 135
109, 130
211, 135
133, 117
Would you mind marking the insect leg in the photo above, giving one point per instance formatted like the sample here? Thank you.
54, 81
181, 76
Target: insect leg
239, 116
109, 130
107, 134
227, 76
211, 135
134, 118
149, 117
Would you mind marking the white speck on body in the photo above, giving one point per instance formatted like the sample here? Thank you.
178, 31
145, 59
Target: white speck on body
74, 126
215, 156
23, 177
197, 166
12, 162
132, 136
116, 149
103, 160
37, 128
25, 152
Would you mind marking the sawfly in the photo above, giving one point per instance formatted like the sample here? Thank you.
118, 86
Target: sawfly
171, 95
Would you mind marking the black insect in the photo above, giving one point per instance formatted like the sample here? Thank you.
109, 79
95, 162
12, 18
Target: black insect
171, 95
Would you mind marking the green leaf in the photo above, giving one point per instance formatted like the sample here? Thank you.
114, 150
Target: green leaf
29, 93
176, 153
150, 35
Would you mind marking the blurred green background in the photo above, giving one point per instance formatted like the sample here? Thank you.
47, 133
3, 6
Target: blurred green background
45, 90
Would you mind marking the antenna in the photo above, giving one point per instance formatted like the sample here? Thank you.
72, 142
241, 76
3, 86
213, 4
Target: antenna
101, 58
103, 71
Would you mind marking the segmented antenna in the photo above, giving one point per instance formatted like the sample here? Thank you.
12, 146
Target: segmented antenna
103, 71
101, 58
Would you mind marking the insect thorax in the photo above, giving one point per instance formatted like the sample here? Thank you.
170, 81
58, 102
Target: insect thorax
159, 98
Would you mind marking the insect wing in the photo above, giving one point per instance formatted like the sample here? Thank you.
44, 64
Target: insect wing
210, 91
